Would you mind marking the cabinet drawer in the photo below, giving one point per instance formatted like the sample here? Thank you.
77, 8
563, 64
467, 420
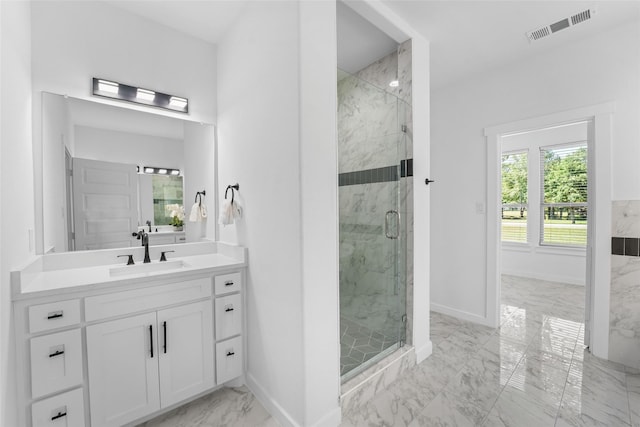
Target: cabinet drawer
229, 358
127, 302
56, 362
228, 283
54, 315
228, 316
66, 409
161, 239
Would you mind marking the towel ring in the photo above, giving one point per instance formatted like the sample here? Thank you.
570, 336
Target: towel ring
199, 195
233, 193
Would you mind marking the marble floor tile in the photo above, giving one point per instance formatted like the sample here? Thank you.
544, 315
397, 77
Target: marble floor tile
447, 410
514, 409
532, 371
479, 382
386, 409
225, 407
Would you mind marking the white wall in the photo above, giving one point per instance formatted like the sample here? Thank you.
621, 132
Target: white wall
130, 148
319, 201
276, 138
586, 72
258, 147
199, 174
16, 180
55, 136
75, 41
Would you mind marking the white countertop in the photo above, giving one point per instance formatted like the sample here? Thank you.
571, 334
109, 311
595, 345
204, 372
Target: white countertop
49, 276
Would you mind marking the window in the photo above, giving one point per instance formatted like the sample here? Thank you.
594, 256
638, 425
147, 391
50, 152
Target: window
514, 196
563, 171
167, 190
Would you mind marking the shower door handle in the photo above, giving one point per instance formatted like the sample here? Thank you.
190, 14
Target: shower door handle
387, 232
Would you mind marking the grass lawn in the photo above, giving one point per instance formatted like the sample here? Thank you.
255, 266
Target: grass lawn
555, 232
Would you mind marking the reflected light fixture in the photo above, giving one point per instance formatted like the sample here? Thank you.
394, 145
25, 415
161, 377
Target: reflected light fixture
394, 83
137, 95
159, 171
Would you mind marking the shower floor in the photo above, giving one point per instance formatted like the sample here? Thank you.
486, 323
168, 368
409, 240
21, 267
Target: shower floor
359, 344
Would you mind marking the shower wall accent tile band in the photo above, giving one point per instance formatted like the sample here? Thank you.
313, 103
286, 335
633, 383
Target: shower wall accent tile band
370, 176
626, 246
624, 311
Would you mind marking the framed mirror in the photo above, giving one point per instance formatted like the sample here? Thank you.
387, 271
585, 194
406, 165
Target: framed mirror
109, 171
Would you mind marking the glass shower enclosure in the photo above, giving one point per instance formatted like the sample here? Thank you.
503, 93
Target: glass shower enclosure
372, 152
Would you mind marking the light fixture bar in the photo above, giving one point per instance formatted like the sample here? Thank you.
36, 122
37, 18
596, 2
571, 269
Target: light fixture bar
137, 95
152, 170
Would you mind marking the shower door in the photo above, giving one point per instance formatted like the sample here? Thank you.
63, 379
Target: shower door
371, 147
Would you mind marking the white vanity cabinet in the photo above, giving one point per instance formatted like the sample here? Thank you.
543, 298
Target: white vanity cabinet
119, 356
142, 363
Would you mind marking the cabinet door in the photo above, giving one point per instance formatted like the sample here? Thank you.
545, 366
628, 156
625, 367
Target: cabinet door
123, 370
185, 348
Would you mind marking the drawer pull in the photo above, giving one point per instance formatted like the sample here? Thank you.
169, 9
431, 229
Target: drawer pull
60, 415
57, 353
228, 309
230, 353
55, 315
229, 283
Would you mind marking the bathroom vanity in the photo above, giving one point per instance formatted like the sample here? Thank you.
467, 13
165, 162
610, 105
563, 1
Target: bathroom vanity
101, 343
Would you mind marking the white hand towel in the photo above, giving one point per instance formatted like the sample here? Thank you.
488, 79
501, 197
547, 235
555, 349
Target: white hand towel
203, 211
226, 213
237, 209
194, 216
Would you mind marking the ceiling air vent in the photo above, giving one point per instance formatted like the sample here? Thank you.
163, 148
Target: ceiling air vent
547, 30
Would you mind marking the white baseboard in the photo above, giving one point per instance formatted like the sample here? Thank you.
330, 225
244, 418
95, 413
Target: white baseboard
541, 275
443, 309
331, 419
276, 411
423, 352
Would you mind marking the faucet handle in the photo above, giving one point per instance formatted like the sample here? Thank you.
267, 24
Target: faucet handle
130, 260
163, 257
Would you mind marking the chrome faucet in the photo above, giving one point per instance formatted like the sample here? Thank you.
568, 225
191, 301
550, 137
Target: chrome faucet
142, 235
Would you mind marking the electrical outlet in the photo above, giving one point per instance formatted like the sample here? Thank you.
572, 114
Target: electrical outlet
480, 208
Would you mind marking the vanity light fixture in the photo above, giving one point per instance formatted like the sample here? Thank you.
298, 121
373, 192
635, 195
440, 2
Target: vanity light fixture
178, 102
146, 95
160, 171
107, 86
137, 95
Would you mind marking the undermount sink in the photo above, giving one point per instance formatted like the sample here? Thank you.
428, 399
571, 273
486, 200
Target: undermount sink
151, 267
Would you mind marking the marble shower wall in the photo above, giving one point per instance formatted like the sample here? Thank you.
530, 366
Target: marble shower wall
370, 116
624, 314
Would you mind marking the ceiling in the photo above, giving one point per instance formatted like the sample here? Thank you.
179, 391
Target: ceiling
466, 37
